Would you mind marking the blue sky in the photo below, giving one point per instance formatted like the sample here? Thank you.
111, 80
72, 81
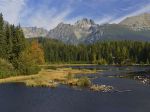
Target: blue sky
48, 13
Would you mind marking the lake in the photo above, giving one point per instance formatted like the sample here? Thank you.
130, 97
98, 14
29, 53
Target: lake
132, 94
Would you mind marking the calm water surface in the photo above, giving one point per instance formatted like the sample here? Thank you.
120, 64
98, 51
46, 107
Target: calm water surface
18, 98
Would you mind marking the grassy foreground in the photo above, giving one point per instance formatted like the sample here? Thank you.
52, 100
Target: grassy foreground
49, 76
52, 78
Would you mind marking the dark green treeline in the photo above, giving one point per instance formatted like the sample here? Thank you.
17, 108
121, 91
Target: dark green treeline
12, 42
104, 52
15, 52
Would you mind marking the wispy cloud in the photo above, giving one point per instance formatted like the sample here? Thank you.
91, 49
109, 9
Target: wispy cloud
144, 9
48, 13
16, 11
12, 9
47, 18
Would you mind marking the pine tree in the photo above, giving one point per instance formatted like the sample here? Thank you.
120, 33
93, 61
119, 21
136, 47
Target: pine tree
1, 22
2, 37
18, 44
8, 42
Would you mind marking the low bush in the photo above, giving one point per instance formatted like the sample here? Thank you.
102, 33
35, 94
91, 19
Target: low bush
84, 82
102, 62
5, 65
27, 65
28, 70
6, 69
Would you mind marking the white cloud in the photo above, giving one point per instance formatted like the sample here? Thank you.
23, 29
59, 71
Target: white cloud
144, 9
11, 10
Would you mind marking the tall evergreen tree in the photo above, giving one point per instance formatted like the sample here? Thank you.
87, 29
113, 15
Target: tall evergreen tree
8, 41
2, 37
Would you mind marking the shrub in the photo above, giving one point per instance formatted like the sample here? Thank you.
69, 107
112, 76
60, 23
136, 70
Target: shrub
6, 69
84, 82
28, 70
30, 58
5, 65
27, 65
102, 62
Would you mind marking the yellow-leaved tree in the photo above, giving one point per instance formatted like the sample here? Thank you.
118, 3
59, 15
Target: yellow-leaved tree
37, 53
31, 58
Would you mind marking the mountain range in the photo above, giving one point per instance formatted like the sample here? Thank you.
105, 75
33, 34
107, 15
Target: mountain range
87, 31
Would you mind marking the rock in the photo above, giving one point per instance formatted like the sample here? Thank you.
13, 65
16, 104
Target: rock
102, 88
31, 32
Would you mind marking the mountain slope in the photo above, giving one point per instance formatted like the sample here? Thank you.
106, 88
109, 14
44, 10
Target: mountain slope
34, 32
63, 32
135, 28
137, 23
87, 31
116, 32
72, 33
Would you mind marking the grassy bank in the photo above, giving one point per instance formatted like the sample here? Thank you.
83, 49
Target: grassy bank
48, 76
54, 77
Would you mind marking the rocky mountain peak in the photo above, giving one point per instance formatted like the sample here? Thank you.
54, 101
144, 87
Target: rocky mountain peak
63, 25
87, 31
60, 24
34, 32
85, 23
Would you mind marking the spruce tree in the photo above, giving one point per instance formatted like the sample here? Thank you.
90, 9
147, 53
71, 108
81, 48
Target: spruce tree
8, 40
2, 37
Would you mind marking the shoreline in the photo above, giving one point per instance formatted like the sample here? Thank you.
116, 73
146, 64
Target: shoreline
61, 65
53, 78
58, 74
57, 67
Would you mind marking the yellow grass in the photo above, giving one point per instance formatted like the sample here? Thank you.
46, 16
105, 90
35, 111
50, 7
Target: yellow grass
48, 78
17, 78
52, 78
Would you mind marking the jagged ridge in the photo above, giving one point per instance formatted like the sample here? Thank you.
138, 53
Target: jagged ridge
87, 31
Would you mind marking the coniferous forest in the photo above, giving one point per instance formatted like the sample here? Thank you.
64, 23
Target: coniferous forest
17, 56
22, 56
103, 52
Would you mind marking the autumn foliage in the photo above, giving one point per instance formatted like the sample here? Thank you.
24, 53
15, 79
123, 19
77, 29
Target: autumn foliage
31, 58
37, 53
